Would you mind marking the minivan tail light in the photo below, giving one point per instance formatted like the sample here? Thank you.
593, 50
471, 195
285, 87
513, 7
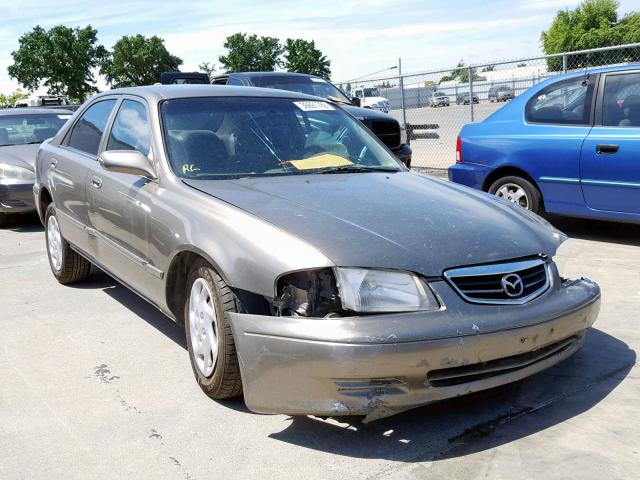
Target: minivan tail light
459, 150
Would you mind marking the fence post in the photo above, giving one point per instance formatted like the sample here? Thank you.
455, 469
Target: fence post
471, 92
404, 110
564, 63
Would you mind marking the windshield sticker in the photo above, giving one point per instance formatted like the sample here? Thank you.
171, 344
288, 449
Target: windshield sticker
319, 161
64, 116
189, 168
311, 106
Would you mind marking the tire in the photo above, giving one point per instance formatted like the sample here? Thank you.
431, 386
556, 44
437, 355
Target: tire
510, 187
4, 219
223, 380
67, 265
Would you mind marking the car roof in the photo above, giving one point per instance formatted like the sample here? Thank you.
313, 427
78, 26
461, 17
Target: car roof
268, 74
32, 111
156, 93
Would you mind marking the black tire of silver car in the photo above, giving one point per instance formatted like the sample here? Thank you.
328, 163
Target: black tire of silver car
224, 381
67, 265
505, 187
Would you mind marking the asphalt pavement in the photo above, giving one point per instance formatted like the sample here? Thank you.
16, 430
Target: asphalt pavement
95, 383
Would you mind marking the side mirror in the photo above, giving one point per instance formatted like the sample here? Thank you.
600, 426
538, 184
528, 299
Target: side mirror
127, 161
356, 101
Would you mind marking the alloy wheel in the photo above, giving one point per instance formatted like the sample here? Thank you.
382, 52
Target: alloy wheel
203, 327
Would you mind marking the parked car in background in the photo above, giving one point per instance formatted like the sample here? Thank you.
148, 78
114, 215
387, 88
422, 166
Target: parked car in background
438, 99
182, 78
386, 128
463, 98
22, 130
500, 93
43, 101
569, 145
369, 97
312, 271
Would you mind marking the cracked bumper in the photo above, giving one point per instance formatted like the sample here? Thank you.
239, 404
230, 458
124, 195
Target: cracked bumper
381, 365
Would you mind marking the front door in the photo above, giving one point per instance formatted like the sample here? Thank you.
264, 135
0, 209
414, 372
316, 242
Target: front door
121, 205
610, 159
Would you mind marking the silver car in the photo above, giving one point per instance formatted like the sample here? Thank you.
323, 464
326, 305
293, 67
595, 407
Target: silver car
22, 130
313, 272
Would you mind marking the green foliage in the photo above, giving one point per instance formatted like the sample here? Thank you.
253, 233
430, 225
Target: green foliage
385, 84
348, 88
302, 56
12, 98
461, 73
207, 67
250, 53
592, 24
137, 60
489, 68
62, 59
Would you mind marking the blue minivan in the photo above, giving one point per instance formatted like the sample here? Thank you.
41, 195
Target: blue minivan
569, 146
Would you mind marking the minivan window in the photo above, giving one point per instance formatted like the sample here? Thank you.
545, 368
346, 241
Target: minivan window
621, 100
87, 131
130, 129
564, 102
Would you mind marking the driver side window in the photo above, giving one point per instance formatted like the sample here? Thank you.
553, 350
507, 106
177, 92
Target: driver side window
564, 102
130, 129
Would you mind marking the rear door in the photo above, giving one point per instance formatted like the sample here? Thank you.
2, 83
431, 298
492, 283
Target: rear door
69, 166
610, 159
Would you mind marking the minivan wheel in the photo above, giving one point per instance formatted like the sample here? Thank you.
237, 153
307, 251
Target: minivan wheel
209, 338
519, 191
67, 265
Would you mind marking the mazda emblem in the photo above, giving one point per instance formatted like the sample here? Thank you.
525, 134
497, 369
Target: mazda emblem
512, 285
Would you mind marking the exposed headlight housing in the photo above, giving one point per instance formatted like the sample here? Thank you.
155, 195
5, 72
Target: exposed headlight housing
15, 173
376, 291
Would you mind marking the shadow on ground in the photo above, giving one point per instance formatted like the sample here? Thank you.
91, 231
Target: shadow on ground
480, 421
25, 223
612, 232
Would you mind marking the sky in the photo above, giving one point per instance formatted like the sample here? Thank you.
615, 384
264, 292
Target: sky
359, 37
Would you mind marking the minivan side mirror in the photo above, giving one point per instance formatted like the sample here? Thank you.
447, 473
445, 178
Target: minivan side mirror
127, 161
356, 102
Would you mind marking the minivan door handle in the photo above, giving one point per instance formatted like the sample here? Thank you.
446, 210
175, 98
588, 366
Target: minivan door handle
53, 163
606, 148
96, 182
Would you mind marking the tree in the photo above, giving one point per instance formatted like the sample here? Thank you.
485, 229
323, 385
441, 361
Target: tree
348, 89
302, 56
592, 24
461, 73
62, 59
248, 53
12, 98
207, 67
137, 60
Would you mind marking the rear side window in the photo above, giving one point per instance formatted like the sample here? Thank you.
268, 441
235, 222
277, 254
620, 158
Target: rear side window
130, 129
234, 81
566, 102
621, 100
87, 131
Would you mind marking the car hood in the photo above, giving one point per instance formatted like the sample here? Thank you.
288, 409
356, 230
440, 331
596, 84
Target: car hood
366, 113
20, 155
401, 220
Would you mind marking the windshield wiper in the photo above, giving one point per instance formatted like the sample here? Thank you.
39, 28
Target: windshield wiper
359, 169
338, 100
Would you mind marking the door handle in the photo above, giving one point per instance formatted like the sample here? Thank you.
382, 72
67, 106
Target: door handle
606, 148
96, 182
53, 163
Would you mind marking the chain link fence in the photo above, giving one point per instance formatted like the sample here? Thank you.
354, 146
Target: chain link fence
435, 105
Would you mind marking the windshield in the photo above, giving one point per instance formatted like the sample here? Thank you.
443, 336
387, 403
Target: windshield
231, 137
30, 128
301, 84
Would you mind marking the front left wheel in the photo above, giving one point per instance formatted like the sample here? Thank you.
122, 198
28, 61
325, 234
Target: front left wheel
212, 351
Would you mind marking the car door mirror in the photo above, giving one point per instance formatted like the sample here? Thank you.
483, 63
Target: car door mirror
127, 161
355, 101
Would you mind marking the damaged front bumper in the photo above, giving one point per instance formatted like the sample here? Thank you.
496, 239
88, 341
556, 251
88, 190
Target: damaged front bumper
384, 364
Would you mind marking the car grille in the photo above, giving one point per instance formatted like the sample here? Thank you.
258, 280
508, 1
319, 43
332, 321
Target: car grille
501, 283
452, 376
387, 131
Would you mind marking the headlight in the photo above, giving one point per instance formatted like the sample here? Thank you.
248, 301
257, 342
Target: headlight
366, 290
15, 172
